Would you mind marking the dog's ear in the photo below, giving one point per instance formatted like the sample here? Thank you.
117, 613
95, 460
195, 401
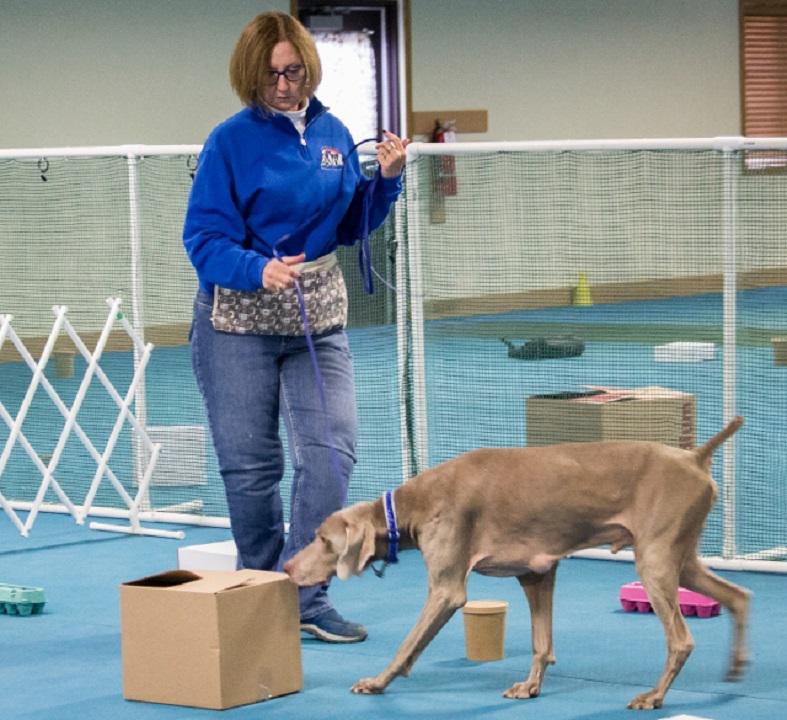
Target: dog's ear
358, 550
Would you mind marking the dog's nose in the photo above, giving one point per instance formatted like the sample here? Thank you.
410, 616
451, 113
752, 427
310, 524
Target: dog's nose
288, 567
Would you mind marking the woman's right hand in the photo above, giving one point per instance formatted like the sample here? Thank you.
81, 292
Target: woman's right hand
279, 273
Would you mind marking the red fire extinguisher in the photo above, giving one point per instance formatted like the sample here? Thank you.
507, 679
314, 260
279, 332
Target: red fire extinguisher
445, 167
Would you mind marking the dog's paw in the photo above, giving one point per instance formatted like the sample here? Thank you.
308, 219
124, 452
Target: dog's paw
368, 686
646, 701
522, 691
737, 669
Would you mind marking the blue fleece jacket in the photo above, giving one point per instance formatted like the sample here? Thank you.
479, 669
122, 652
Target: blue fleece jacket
260, 189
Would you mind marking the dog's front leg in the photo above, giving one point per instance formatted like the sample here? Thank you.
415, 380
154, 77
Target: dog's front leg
440, 605
539, 590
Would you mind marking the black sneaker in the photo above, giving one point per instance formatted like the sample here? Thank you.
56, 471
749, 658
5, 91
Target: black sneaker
332, 627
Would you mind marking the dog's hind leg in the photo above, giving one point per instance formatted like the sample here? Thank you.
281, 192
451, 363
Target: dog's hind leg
695, 576
444, 598
539, 590
657, 568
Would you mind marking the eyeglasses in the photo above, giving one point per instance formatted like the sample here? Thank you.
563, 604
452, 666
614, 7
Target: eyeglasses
292, 73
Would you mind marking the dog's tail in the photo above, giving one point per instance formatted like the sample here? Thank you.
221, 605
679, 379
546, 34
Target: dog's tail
704, 453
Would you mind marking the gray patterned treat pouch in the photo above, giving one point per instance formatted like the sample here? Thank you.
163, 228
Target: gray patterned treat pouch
266, 312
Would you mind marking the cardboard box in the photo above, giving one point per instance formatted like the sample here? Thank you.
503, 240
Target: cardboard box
211, 640
222, 555
779, 350
654, 413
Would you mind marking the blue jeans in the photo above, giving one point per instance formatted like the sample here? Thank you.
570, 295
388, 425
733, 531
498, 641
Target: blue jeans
247, 383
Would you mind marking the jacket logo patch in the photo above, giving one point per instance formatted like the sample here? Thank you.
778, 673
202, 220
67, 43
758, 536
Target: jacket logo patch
331, 158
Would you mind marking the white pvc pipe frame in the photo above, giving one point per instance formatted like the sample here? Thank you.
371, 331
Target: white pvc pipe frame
725, 144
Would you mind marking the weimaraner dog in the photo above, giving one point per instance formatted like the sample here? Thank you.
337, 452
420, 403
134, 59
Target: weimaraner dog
516, 512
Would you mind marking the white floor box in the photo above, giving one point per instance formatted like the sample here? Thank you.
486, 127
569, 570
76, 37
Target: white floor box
211, 556
684, 352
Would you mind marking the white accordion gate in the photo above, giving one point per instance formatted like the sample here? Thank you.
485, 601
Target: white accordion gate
80, 509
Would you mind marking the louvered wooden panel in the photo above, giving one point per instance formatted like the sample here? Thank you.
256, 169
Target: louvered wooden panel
765, 75
764, 78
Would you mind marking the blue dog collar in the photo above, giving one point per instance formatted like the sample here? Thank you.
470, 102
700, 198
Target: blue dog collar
393, 530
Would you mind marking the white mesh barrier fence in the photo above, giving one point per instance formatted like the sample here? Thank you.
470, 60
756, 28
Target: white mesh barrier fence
513, 280
542, 271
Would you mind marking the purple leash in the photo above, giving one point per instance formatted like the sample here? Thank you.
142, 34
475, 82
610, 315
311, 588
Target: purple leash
317, 374
365, 265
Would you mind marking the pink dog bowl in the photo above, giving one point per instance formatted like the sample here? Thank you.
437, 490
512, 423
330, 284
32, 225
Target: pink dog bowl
633, 597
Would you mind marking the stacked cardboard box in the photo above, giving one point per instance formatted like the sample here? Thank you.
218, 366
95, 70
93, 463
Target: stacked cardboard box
651, 413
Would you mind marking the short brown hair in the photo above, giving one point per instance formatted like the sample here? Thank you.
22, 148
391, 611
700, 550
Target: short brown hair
252, 54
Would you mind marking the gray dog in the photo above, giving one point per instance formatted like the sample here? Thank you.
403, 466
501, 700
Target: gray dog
518, 511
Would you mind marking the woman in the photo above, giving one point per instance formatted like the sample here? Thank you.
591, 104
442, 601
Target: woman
278, 188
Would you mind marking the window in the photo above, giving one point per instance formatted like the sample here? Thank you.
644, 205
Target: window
349, 83
764, 77
360, 47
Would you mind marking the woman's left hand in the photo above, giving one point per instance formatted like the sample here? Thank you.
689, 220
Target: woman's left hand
392, 155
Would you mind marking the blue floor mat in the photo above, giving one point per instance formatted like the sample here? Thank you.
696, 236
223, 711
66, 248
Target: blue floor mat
65, 663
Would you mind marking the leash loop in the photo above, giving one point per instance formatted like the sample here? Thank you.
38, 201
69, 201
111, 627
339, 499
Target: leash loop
380, 572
